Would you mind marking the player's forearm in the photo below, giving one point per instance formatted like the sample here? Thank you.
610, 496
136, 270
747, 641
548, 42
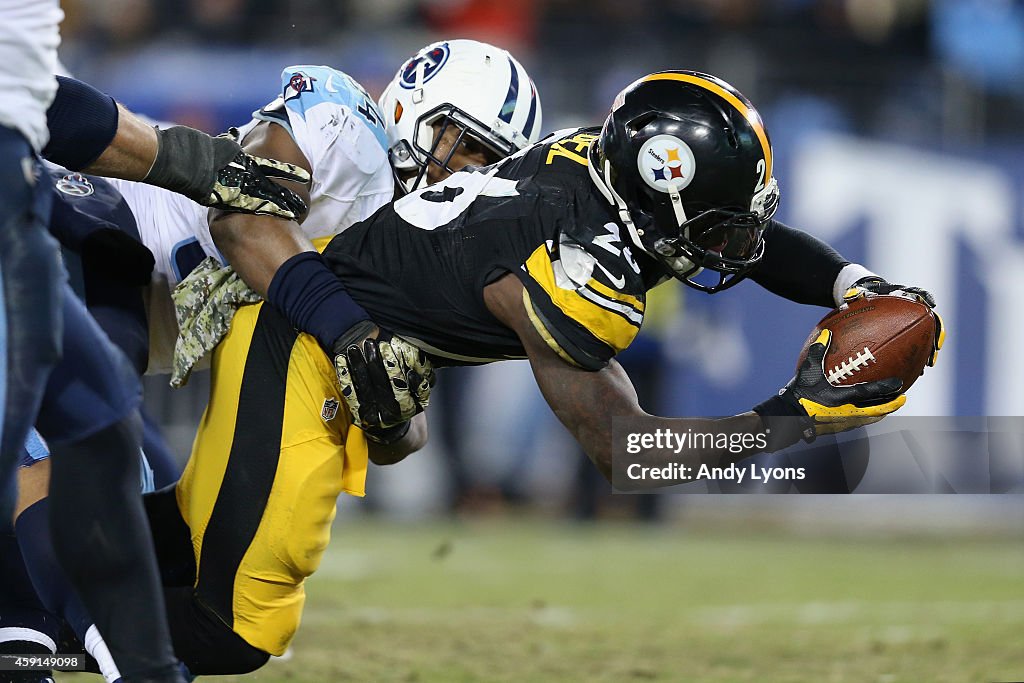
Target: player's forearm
665, 445
798, 266
131, 153
256, 246
594, 432
414, 440
585, 402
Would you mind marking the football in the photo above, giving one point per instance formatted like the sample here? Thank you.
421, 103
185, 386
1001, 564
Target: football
875, 337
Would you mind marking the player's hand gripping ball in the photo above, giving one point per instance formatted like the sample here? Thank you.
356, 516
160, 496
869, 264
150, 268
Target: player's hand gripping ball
879, 336
876, 285
811, 405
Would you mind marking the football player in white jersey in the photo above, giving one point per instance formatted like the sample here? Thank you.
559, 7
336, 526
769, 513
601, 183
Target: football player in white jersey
472, 100
325, 122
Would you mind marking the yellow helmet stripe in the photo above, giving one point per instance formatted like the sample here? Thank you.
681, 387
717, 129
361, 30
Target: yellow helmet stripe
752, 117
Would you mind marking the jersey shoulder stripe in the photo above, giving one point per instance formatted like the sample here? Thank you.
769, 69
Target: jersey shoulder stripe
590, 321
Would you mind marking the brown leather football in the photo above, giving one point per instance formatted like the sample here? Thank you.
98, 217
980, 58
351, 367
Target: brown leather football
875, 337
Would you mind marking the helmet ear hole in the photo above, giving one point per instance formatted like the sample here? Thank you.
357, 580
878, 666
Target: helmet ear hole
731, 137
638, 123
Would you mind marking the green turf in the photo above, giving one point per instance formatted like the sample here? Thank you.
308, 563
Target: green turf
544, 602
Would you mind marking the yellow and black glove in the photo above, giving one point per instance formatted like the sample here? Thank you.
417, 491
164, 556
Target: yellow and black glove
876, 285
385, 381
810, 405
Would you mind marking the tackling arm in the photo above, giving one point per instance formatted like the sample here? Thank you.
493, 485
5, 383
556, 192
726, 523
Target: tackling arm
274, 257
90, 131
256, 246
385, 380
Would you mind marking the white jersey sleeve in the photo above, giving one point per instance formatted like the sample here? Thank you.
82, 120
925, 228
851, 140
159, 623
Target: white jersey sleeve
340, 130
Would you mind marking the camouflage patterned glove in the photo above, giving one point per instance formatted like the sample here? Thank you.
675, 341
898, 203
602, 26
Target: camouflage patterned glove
216, 172
244, 185
385, 381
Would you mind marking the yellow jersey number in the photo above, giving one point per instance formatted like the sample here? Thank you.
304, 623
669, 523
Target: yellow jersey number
574, 148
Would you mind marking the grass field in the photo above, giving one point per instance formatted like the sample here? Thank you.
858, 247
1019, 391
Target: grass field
548, 602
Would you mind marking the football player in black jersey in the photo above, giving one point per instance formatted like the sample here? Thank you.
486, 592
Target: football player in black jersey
548, 255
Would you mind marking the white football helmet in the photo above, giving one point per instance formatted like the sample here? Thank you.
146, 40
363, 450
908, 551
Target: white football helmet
478, 87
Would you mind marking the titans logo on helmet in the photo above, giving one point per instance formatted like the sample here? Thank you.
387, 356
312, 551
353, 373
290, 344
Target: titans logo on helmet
298, 84
431, 62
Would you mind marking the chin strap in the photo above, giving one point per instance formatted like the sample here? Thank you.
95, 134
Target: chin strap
604, 186
681, 266
677, 206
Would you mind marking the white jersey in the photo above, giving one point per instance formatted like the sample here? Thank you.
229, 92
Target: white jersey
336, 126
29, 37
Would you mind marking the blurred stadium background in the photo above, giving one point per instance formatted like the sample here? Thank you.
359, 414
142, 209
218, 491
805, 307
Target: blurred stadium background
896, 127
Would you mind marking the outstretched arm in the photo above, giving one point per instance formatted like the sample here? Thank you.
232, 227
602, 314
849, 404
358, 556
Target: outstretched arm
586, 401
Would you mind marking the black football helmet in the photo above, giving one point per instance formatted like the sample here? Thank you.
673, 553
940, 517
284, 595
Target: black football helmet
687, 162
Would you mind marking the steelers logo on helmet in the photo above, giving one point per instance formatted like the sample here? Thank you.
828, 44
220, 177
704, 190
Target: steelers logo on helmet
666, 161
431, 61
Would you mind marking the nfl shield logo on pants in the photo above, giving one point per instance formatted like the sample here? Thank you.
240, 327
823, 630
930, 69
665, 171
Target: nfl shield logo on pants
329, 410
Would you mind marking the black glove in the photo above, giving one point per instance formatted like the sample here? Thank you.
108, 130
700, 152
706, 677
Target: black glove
216, 172
876, 285
385, 382
244, 185
809, 405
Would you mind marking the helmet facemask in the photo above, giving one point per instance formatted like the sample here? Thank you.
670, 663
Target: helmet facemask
429, 133
727, 241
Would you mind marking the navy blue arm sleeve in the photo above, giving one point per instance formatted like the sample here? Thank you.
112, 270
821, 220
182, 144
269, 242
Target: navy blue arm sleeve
82, 123
798, 266
313, 299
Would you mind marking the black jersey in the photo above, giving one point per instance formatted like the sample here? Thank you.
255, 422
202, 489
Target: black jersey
419, 266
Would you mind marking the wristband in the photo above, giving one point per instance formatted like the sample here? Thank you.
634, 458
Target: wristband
188, 161
388, 435
785, 424
313, 299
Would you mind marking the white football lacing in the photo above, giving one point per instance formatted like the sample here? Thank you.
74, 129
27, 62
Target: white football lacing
851, 365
